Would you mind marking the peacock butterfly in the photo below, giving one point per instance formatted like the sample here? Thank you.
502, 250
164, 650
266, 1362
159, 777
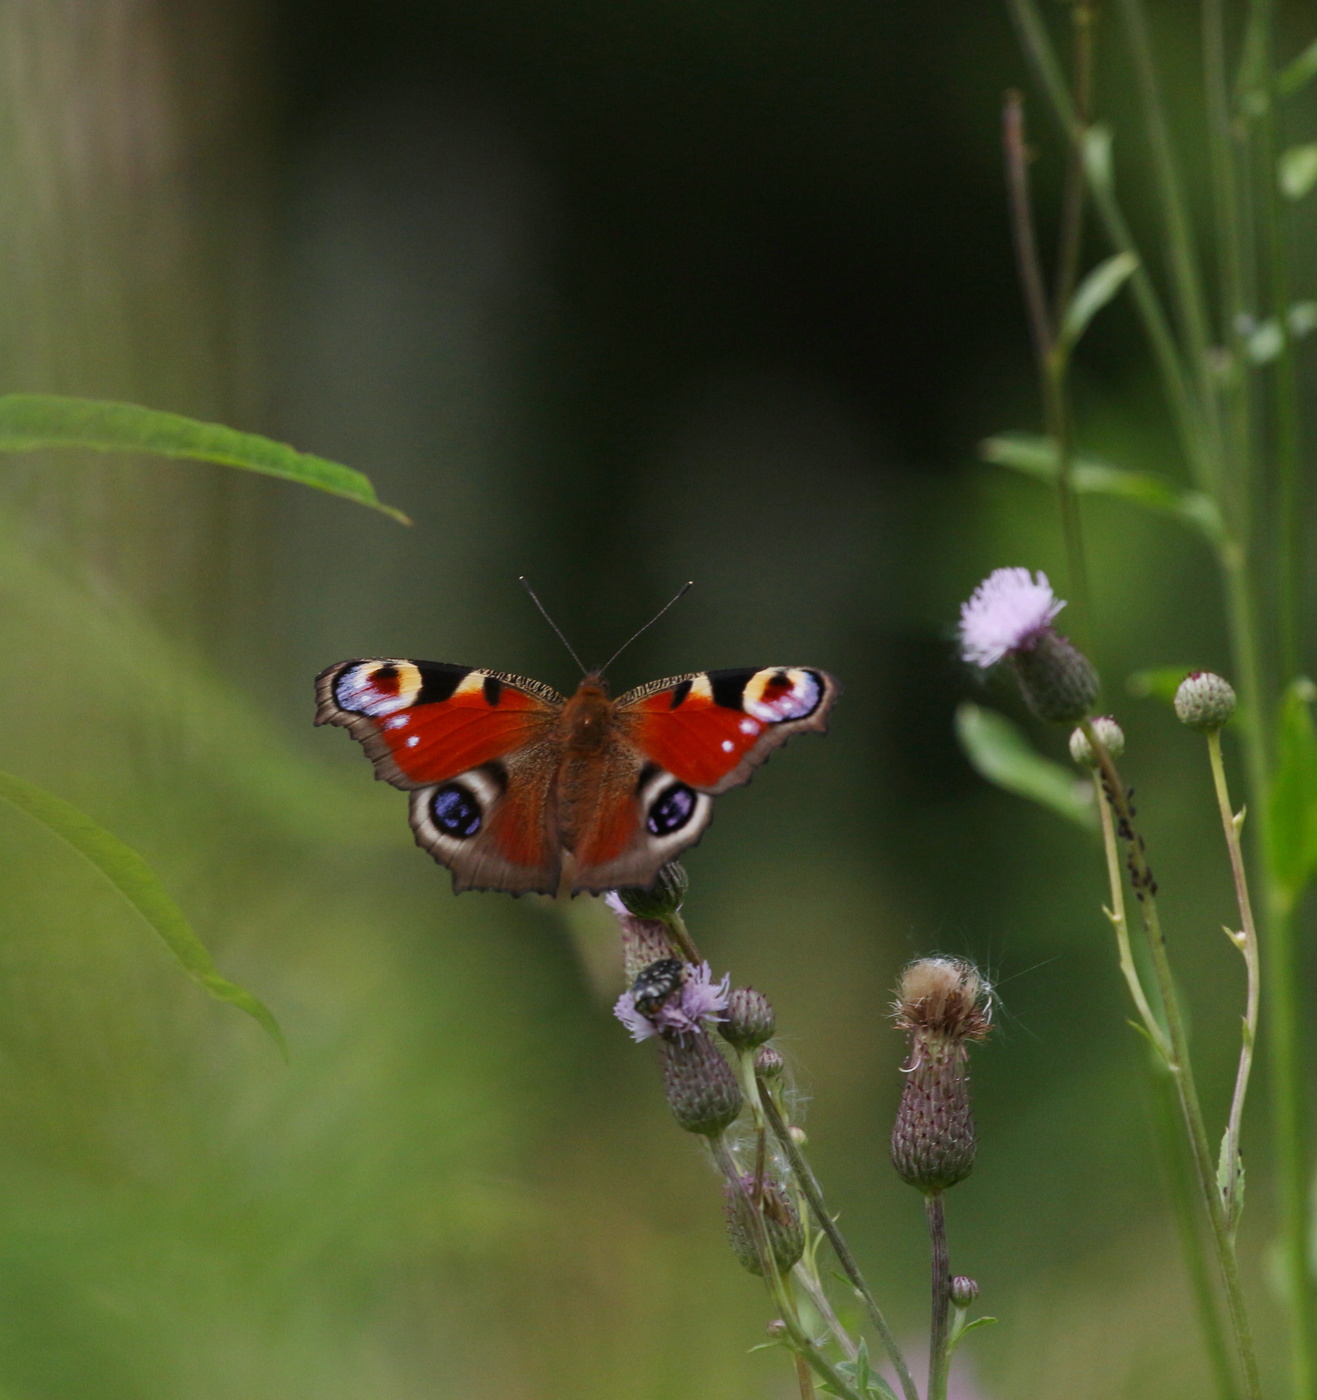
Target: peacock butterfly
515, 788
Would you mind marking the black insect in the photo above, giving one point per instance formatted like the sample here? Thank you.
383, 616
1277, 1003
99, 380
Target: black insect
656, 984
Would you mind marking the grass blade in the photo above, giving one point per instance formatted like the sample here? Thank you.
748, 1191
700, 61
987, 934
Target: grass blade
32, 421
141, 887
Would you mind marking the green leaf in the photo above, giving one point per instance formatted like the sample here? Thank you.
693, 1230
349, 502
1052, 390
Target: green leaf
1293, 834
1297, 170
999, 751
1093, 293
1232, 1193
32, 421
140, 886
1296, 73
978, 1322
1036, 456
1159, 682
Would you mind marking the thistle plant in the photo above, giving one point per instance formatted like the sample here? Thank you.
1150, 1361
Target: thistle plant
725, 1082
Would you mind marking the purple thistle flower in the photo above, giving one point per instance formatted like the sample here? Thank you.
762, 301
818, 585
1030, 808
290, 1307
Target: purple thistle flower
1008, 611
701, 999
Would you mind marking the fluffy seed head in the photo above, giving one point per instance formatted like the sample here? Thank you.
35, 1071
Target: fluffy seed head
1008, 610
750, 1020
943, 997
1110, 735
1205, 701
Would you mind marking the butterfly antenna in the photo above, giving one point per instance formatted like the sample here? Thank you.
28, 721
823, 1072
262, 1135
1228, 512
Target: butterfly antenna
521, 579
681, 593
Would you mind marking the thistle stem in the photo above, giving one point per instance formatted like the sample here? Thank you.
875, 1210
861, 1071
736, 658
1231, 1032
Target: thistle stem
1246, 940
676, 926
1181, 1067
810, 1186
938, 1359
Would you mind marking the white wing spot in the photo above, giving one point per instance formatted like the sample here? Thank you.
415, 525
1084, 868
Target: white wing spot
413, 741
750, 726
397, 722
728, 746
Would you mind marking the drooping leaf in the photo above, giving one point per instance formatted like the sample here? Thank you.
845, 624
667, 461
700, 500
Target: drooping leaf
1298, 71
1000, 752
1093, 293
32, 421
1036, 456
1297, 170
140, 886
1293, 827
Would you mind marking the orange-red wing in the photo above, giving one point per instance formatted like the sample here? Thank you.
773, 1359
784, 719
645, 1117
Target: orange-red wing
424, 722
712, 729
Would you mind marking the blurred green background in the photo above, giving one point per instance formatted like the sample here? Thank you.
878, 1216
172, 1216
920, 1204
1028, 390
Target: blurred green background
613, 296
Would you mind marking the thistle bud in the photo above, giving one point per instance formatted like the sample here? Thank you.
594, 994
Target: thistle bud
777, 1328
749, 1019
768, 1063
701, 1088
1205, 701
963, 1291
663, 898
1057, 679
786, 1235
943, 1004
1110, 735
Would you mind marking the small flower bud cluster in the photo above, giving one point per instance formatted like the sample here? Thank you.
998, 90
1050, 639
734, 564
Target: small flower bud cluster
782, 1226
749, 1021
1205, 702
943, 1005
1109, 734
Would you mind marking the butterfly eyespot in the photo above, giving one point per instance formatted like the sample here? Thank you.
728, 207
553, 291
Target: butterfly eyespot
378, 688
656, 983
775, 696
456, 811
671, 810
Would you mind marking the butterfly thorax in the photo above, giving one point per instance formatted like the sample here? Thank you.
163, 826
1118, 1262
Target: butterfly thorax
587, 718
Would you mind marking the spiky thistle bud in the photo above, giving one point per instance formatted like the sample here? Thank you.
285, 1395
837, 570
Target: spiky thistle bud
1110, 735
943, 1004
663, 898
644, 941
963, 1291
768, 1063
1205, 701
1057, 680
749, 1020
702, 1090
786, 1235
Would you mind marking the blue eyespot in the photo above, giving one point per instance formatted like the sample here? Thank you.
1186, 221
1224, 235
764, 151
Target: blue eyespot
456, 811
671, 810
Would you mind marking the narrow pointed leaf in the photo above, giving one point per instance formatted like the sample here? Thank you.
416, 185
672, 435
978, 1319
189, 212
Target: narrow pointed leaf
1000, 752
1036, 456
32, 421
140, 886
1094, 292
1097, 155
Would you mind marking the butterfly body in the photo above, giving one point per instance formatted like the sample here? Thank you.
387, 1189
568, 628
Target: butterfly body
516, 788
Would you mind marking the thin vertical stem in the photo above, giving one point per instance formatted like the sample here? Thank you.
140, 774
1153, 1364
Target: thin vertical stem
938, 1360
804, 1378
809, 1185
1071, 240
1247, 943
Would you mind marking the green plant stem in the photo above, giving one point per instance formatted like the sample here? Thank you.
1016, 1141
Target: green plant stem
824, 1308
676, 926
938, 1359
1181, 1067
804, 1379
1070, 240
809, 1185
1050, 354
1246, 940
777, 1286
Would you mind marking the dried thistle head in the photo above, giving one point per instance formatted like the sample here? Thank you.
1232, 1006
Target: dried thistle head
942, 997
